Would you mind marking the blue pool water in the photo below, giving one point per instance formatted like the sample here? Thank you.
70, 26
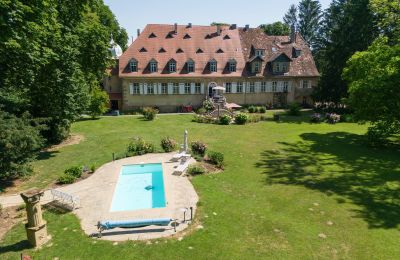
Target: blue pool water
140, 186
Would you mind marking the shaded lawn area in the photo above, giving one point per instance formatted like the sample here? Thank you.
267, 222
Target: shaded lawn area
283, 183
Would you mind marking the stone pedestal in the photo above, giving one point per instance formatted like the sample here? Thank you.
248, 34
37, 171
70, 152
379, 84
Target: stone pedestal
36, 228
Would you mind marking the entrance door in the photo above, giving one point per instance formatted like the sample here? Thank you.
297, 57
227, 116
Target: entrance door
114, 104
211, 85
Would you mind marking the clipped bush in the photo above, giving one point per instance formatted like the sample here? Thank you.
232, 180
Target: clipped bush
149, 113
294, 109
92, 168
138, 146
241, 119
262, 110
225, 120
252, 109
216, 158
168, 144
196, 170
199, 148
66, 179
75, 171
316, 118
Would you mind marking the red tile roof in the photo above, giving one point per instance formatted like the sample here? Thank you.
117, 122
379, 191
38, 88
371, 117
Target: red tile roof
239, 45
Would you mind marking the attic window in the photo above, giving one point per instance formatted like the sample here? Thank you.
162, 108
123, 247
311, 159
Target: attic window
179, 50
219, 51
297, 53
143, 50
199, 50
187, 36
152, 35
169, 36
162, 50
226, 37
208, 36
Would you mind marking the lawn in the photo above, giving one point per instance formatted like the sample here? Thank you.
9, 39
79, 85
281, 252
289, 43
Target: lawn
290, 190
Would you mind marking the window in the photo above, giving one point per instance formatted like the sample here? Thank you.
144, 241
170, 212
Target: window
252, 87
153, 66
162, 50
280, 66
175, 89
133, 65
179, 50
219, 51
143, 50
226, 37
305, 84
228, 87
232, 66
285, 86
150, 89
274, 86
164, 88
284, 67
260, 53
172, 66
256, 67
152, 35
136, 89
187, 88
187, 36
190, 66
263, 86
199, 51
213, 66
239, 87
197, 88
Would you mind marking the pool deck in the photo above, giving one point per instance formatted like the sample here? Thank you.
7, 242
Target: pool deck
96, 193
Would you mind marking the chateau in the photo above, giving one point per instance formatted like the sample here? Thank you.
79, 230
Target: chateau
170, 66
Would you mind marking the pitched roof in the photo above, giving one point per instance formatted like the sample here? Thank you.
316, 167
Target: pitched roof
231, 50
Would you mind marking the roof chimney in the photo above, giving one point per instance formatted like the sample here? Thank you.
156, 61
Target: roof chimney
292, 37
218, 29
132, 38
247, 27
189, 25
138, 32
175, 28
233, 26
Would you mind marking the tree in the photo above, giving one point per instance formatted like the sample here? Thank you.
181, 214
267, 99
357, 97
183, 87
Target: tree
387, 13
20, 139
309, 20
98, 102
277, 28
290, 17
374, 77
348, 27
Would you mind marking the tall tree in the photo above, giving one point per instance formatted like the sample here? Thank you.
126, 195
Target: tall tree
387, 13
290, 17
348, 27
309, 20
277, 28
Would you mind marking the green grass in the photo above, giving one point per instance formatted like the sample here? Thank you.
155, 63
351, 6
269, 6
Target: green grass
264, 199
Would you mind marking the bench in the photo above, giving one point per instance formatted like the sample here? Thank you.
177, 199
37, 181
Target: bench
134, 223
65, 198
181, 167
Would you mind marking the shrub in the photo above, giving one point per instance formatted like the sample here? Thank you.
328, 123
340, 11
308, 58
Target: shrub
75, 171
294, 109
149, 113
252, 109
254, 118
204, 119
332, 118
225, 120
92, 168
138, 146
241, 119
196, 170
216, 158
262, 110
66, 179
168, 144
208, 105
316, 118
201, 111
198, 147
98, 102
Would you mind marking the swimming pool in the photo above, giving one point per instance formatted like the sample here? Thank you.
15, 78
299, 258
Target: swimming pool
140, 186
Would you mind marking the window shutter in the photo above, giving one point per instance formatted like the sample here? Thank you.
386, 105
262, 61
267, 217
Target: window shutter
224, 85
131, 88
202, 88
145, 88
192, 88
257, 87
181, 88
233, 88
141, 91
170, 90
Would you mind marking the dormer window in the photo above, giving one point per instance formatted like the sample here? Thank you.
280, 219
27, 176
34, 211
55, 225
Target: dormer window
190, 66
256, 67
179, 50
199, 50
280, 67
162, 50
220, 51
169, 36
213, 65
172, 66
226, 37
232, 65
152, 35
153, 66
133, 65
187, 36
143, 50
259, 52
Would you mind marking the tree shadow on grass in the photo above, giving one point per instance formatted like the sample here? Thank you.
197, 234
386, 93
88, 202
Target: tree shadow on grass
16, 247
340, 163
